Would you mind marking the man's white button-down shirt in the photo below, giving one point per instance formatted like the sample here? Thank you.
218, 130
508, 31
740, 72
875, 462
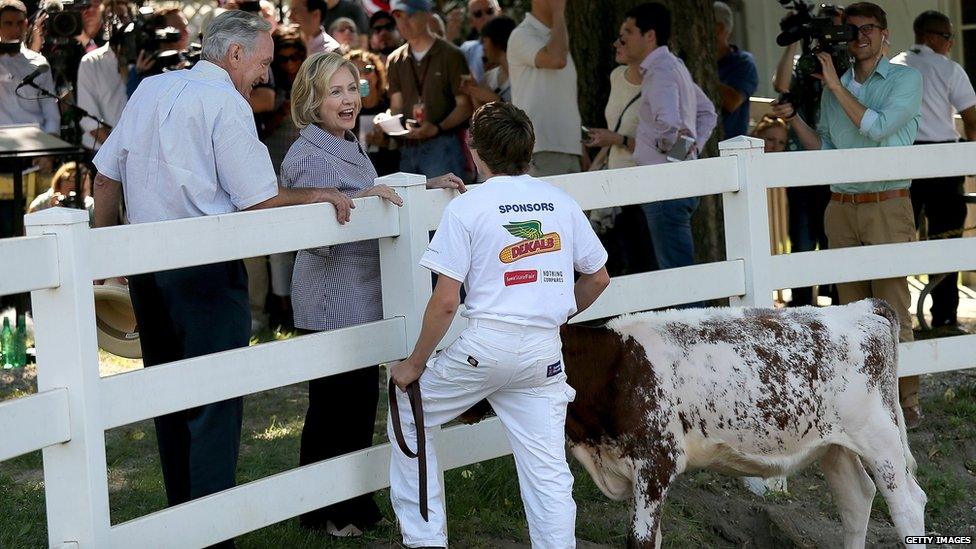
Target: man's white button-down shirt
187, 146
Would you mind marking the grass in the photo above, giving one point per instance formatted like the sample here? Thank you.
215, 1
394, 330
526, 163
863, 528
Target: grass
484, 508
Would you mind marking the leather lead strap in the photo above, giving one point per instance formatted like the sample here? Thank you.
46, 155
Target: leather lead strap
413, 392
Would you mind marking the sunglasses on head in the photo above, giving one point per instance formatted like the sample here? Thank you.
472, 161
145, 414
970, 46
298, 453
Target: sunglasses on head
389, 27
486, 11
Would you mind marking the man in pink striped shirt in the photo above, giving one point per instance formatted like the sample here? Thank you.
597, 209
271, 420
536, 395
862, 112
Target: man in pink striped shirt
671, 105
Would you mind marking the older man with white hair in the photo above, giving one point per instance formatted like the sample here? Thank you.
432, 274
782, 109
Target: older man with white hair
186, 146
737, 75
479, 13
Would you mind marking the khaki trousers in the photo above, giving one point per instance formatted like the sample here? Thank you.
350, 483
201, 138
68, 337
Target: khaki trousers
887, 222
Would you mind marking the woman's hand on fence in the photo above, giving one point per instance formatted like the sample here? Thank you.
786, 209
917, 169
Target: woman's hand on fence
383, 192
447, 181
343, 204
405, 372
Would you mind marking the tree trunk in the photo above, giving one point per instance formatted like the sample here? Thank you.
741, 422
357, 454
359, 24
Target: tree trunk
594, 25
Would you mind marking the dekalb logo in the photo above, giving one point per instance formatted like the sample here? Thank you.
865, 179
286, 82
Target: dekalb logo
521, 277
534, 242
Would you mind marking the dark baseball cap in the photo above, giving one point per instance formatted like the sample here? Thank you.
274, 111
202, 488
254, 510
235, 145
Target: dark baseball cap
380, 16
410, 6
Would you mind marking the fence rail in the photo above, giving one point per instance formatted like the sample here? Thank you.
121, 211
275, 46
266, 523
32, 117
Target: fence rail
74, 406
150, 392
33, 264
37, 421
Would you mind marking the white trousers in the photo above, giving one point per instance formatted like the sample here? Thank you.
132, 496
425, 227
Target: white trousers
519, 370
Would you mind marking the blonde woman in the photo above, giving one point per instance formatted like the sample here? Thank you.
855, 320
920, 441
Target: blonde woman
337, 286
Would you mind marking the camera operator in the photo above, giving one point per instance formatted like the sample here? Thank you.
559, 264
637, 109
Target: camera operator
23, 104
63, 31
947, 90
164, 45
873, 104
806, 204
187, 146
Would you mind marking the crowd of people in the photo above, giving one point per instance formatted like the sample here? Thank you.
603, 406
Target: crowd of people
280, 109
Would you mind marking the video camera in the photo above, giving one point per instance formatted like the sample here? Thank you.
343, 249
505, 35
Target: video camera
817, 34
64, 20
144, 34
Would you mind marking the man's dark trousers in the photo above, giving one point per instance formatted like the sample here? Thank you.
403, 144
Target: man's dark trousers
181, 314
940, 200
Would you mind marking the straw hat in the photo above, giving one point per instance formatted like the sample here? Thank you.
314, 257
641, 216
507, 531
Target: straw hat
115, 321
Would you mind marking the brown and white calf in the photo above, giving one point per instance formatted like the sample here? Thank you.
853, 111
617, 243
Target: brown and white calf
755, 392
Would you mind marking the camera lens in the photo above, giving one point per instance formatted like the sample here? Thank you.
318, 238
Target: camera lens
65, 24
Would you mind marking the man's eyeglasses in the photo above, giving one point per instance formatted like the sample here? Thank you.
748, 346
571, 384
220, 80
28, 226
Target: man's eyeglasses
389, 27
945, 35
478, 13
867, 29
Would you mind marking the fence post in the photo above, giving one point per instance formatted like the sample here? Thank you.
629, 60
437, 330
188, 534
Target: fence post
406, 285
75, 477
747, 238
747, 221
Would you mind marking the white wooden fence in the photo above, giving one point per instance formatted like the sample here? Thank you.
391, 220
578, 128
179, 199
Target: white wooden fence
74, 406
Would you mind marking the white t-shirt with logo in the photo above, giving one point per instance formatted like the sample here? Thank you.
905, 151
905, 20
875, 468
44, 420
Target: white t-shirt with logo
515, 242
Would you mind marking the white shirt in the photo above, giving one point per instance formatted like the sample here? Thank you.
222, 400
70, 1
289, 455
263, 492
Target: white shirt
186, 146
622, 107
25, 106
515, 242
101, 91
548, 96
493, 82
946, 90
322, 42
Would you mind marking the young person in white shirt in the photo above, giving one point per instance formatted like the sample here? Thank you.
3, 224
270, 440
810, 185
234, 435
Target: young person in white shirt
514, 242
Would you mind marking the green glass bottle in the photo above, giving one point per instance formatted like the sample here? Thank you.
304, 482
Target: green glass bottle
20, 343
7, 344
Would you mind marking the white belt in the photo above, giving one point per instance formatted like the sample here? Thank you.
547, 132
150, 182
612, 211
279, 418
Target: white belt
510, 327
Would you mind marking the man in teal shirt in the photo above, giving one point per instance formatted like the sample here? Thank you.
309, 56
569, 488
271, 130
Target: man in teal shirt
874, 104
